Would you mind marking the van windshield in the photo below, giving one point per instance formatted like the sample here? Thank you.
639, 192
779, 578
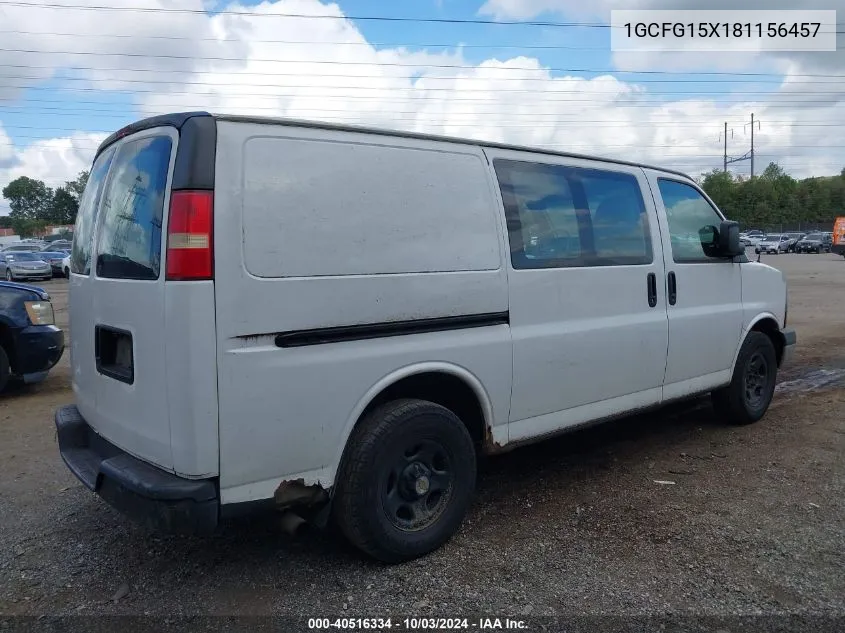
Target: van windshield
129, 246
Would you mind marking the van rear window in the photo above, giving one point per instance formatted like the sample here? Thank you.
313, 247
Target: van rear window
129, 246
86, 218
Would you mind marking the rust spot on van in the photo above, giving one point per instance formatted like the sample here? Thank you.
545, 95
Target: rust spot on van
297, 493
491, 446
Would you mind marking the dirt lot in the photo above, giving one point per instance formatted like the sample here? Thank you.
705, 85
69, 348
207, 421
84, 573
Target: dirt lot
755, 522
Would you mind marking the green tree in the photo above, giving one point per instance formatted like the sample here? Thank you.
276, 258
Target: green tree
77, 187
720, 186
64, 207
30, 201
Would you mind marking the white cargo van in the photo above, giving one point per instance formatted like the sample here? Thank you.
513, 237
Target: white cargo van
337, 321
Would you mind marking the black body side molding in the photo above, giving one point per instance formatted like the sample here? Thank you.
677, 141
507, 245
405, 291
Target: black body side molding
322, 336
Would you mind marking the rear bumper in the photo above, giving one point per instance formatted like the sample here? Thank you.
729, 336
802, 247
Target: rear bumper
789, 340
157, 499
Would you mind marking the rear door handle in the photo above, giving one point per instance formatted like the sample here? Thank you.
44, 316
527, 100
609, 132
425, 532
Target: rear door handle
651, 285
672, 283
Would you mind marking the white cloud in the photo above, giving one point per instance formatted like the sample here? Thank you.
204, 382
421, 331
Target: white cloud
517, 100
54, 161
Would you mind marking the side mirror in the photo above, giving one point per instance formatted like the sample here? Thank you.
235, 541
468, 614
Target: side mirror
728, 238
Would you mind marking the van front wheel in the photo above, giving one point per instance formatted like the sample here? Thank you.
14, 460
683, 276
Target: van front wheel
746, 399
406, 481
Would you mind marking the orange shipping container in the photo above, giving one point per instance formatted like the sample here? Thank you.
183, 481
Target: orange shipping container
839, 236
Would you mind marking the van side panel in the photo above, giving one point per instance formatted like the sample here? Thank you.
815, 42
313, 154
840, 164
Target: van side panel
192, 366
310, 209
292, 202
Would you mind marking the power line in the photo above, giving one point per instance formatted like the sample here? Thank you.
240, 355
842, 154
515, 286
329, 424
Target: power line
455, 66
531, 118
385, 100
506, 111
321, 42
378, 18
375, 18
629, 97
238, 72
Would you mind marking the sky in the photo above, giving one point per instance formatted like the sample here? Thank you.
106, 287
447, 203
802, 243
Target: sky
532, 72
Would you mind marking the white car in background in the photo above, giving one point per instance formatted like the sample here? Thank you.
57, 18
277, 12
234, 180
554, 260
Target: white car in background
66, 267
753, 240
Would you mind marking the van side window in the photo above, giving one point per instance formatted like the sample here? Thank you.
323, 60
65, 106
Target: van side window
133, 205
562, 216
86, 218
688, 212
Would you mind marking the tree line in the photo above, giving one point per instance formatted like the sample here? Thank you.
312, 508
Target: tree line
775, 198
34, 205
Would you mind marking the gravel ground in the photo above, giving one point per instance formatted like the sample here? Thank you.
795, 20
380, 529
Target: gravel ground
753, 523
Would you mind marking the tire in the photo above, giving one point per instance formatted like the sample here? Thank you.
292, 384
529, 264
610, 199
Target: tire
9, 275
5, 369
67, 273
819, 250
406, 480
757, 360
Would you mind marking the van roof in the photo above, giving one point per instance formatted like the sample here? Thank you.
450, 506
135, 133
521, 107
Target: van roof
179, 118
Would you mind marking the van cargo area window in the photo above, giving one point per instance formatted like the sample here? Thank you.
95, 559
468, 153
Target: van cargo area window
86, 217
561, 216
688, 212
129, 245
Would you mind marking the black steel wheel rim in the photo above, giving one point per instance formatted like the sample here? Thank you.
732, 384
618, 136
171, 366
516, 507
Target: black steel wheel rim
756, 380
416, 487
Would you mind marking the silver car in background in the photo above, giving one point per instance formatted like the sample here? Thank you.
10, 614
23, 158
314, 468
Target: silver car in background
26, 265
774, 244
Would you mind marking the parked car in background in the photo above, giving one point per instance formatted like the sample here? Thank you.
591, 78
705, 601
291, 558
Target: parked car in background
58, 245
30, 342
793, 240
774, 244
754, 240
21, 246
814, 243
23, 265
54, 258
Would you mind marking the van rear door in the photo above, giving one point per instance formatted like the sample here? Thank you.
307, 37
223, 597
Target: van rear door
118, 297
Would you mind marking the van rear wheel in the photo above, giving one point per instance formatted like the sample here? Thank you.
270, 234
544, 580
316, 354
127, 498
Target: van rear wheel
747, 398
406, 481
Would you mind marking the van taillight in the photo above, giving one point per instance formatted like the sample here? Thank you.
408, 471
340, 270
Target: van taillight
189, 236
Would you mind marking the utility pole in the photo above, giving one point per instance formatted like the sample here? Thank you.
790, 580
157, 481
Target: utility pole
726, 160
747, 155
752, 146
